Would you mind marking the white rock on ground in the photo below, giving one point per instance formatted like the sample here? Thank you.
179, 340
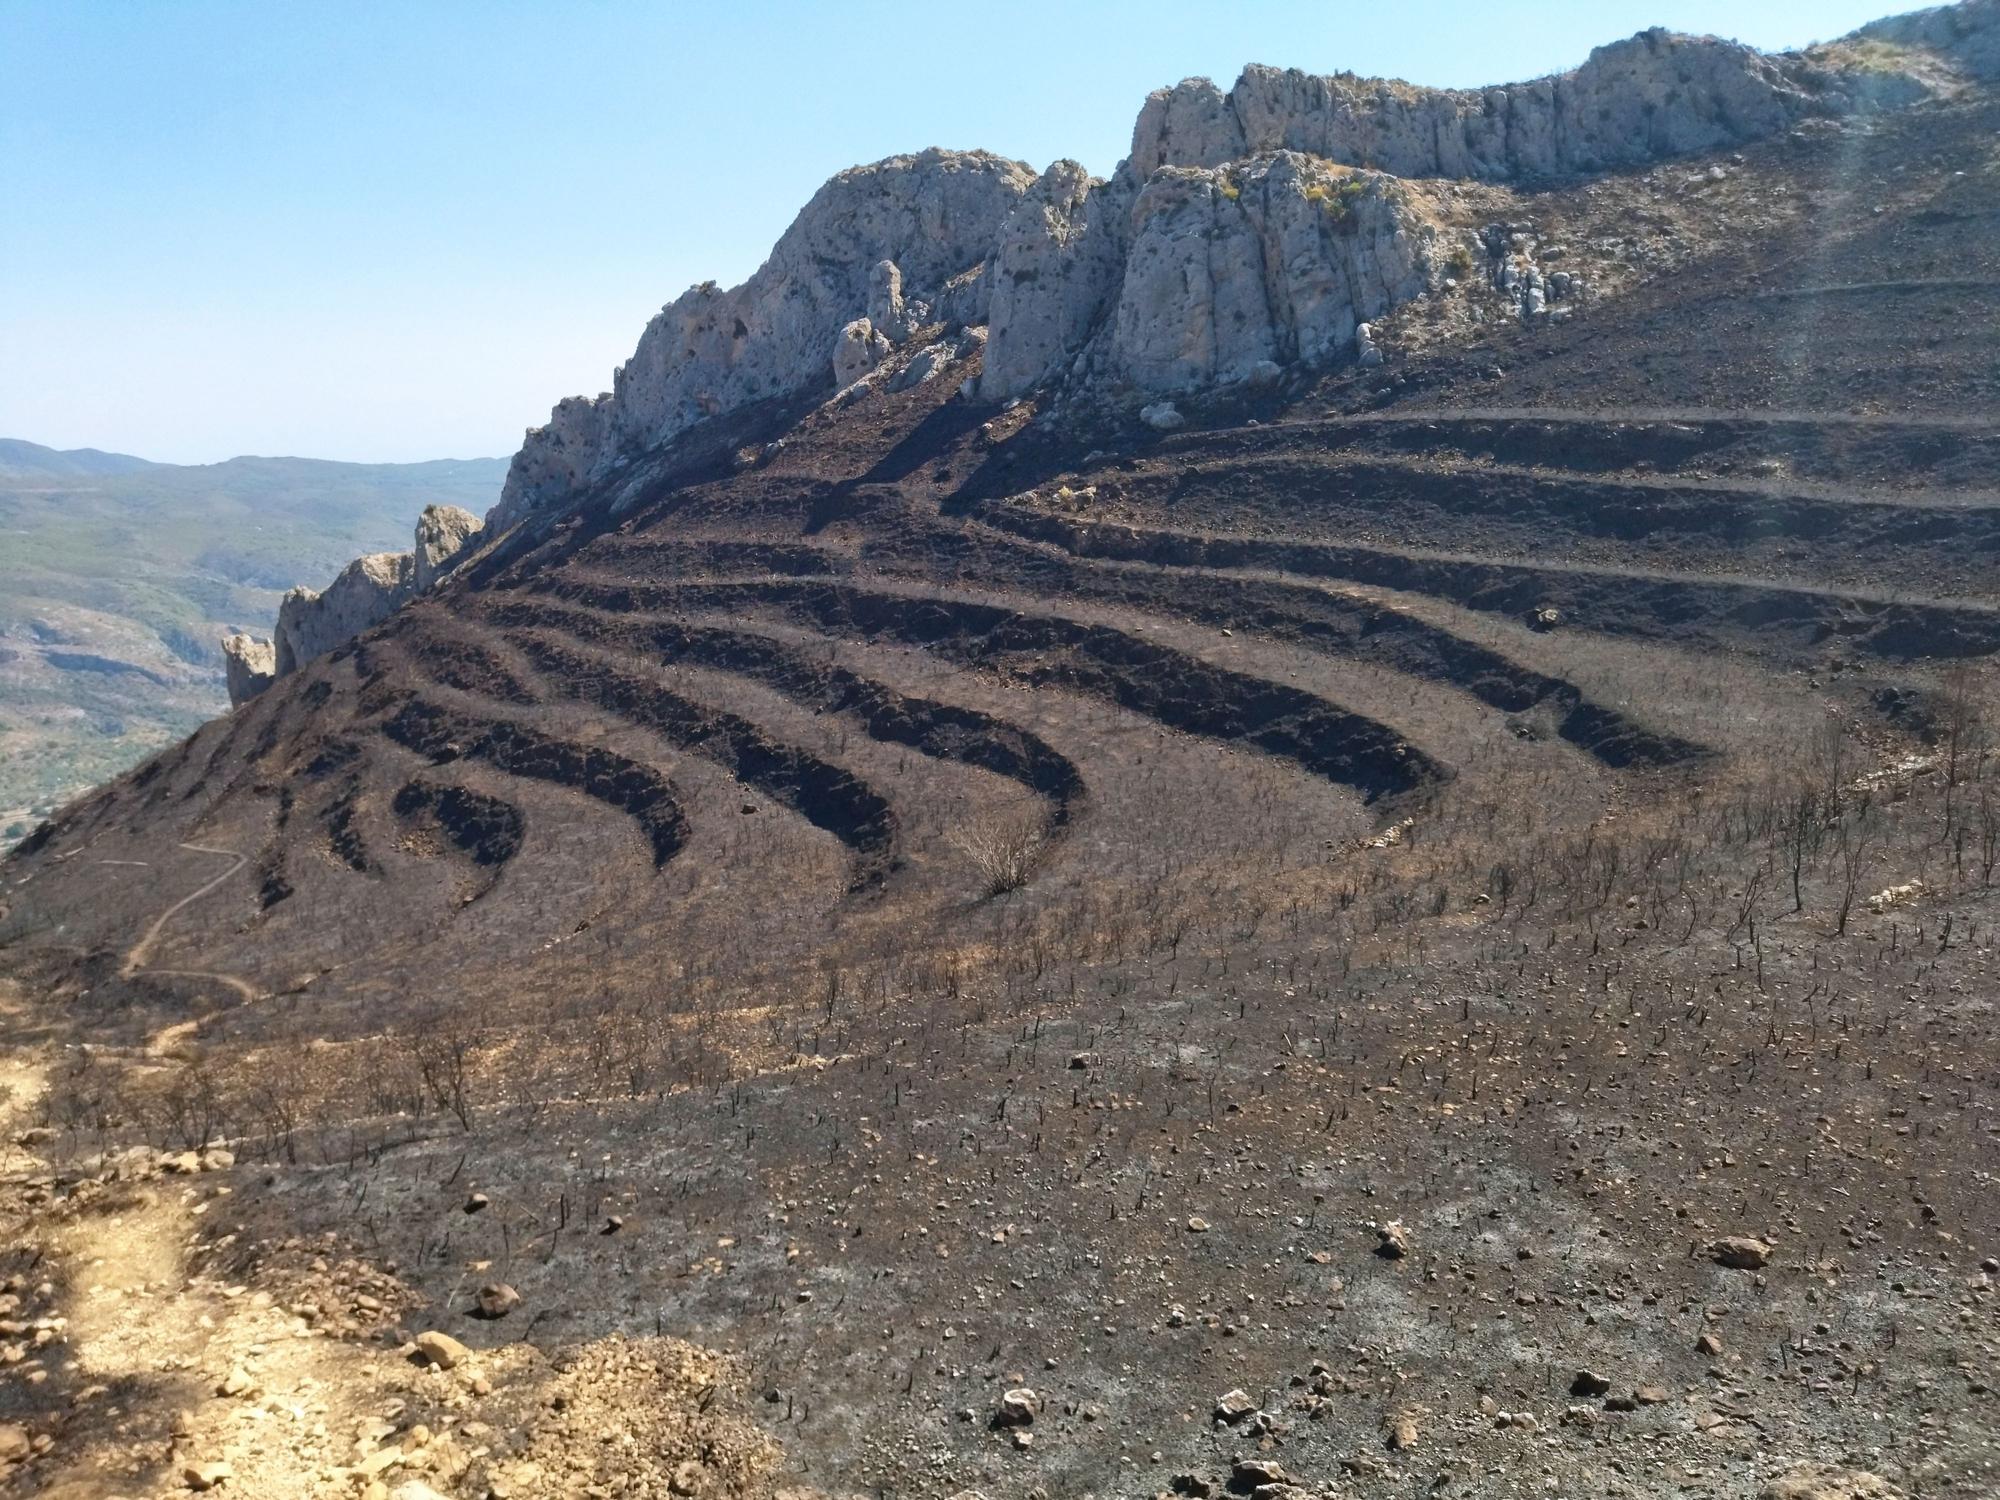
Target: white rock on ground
441, 1349
857, 351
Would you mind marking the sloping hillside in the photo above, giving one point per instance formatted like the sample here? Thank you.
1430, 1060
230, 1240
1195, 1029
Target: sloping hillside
1404, 915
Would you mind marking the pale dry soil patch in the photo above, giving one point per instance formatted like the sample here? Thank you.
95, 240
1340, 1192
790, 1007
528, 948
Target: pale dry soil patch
162, 1354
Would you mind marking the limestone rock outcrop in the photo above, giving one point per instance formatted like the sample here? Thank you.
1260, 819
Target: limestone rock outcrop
1249, 230
857, 350
934, 215
556, 458
1212, 276
1967, 36
444, 533
249, 665
1055, 271
887, 311
367, 591
933, 359
1654, 95
1276, 259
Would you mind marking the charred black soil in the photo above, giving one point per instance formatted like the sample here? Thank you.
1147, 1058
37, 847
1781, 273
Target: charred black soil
967, 898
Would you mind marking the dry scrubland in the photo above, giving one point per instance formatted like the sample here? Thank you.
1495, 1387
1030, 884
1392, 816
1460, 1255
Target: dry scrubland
1433, 932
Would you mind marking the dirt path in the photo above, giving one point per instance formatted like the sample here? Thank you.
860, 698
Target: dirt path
165, 1373
213, 1372
135, 957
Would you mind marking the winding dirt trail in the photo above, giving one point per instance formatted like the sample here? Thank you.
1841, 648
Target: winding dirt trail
135, 957
138, 1316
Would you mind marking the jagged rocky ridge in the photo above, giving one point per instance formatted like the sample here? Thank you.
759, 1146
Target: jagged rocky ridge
1248, 231
368, 591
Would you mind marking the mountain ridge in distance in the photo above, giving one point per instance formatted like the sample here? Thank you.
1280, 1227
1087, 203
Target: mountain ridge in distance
120, 575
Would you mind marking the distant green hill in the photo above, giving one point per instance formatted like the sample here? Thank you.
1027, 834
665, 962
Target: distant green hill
19, 459
118, 578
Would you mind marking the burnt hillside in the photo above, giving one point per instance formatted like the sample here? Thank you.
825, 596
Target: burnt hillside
996, 895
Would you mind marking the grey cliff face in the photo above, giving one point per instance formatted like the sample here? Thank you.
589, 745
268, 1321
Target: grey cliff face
1055, 272
1276, 260
933, 216
1654, 95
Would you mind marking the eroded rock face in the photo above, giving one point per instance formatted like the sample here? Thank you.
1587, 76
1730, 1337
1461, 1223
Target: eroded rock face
367, 592
1967, 35
250, 665
1055, 273
1654, 95
886, 309
1211, 276
444, 535
935, 215
557, 457
1274, 260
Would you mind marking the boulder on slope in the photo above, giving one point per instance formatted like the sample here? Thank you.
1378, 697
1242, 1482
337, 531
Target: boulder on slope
857, 351
444, 535
249, 665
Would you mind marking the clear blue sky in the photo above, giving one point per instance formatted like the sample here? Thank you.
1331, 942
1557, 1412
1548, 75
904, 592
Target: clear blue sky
376, 231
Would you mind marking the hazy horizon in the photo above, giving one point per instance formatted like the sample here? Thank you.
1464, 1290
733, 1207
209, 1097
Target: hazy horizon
380, 235
210, 463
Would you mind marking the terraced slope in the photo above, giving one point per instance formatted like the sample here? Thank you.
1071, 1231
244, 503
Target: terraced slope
923, 621
1138, 865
